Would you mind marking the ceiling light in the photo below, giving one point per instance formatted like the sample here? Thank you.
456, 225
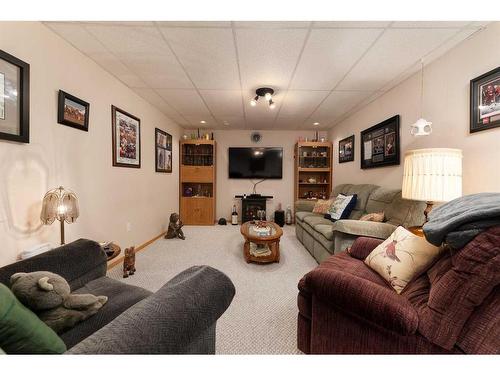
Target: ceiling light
265, 92
203, 122
315, 123
421, 127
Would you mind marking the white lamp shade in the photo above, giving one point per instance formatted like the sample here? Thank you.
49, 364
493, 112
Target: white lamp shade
432, 174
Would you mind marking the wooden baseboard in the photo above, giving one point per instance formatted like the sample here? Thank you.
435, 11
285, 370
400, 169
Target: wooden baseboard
119, 260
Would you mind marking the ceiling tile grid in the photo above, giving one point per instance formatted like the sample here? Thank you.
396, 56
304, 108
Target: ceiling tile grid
322, 71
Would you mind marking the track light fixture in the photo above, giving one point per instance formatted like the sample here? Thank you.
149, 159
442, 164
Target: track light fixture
265, 92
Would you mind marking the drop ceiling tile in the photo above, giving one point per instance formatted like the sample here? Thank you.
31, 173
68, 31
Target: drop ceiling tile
259, 123
207, 54
131, 80
289, 122
223, 102
328, 56
110, 62
272, 24
125, 39
298, 102
152, 97
117, 23
394, 52
77, 36
449, 44
338, 103
186, 102
210, 122
350, 24
230, 122
268, 58
157, 70
194, 24
429, 24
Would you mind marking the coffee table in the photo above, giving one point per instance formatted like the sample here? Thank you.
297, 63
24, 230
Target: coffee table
261, 248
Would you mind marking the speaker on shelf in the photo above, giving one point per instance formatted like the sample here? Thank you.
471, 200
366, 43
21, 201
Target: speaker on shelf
279, 217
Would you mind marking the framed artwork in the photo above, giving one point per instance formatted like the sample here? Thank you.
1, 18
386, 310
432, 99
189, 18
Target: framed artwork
72, 111
485, 101
346, 149
163, 151
14, 99
380, 144
126, 139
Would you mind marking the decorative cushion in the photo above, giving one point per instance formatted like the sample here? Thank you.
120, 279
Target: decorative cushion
374, 216
22, 332
342, 206
322, 206
402, 257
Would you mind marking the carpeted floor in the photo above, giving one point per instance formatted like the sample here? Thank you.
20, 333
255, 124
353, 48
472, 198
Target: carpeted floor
262, 318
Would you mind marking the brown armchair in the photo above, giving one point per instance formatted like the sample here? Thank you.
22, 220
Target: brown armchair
454, 307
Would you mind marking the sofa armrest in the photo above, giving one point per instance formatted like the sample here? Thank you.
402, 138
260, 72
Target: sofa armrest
364, 299
363, 246
364, 228
304, 205
78, 262
174, 320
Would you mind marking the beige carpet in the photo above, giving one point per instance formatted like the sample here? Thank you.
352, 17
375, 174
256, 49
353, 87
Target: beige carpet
262, 318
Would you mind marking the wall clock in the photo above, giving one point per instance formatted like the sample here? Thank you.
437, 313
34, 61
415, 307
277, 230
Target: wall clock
256, 137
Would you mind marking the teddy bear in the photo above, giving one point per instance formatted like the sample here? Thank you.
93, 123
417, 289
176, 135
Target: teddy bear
175, 227
49, 296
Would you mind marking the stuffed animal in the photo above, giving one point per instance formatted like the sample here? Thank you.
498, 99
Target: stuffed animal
49, 296
129, 262
174, 227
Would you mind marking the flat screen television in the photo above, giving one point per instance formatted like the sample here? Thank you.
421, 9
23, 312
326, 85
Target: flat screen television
256, 162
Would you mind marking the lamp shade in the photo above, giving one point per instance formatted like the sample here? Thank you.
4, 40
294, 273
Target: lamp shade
60, 204
432, 174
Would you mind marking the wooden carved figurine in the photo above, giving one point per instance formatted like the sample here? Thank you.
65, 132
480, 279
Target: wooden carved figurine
175, 227
129, 262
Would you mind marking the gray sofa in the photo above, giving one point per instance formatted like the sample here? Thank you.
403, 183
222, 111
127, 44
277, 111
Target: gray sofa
179, 318
322, 237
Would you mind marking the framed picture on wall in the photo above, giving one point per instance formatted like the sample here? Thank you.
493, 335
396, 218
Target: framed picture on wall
126, 139
14, 99
346, 149
485, 101
72, 111
163, 151
380, 144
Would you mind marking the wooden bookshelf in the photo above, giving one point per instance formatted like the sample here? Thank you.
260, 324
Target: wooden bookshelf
313, 170
197, 181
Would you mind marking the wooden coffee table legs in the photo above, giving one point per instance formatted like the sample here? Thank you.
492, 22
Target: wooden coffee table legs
274, 247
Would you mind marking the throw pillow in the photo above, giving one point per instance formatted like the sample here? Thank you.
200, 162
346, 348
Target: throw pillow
322, 206
341, 207
378, 217
22, 332
402, 257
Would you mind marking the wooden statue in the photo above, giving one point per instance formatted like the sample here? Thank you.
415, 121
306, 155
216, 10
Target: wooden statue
175, 227
129, 262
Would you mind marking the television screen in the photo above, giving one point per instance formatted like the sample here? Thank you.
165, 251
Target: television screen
256, 162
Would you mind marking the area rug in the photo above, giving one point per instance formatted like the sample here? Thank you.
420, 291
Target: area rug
262, 318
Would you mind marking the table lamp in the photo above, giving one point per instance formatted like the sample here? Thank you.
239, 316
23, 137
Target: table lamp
432, 175
60, 204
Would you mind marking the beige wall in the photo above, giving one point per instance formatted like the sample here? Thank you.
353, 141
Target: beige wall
281, 190
110, 197
446, 104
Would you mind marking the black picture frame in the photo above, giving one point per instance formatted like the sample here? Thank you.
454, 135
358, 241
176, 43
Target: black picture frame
163, 151
22, 104
118, 114
346, 149
485, 118
380, 144
62, 116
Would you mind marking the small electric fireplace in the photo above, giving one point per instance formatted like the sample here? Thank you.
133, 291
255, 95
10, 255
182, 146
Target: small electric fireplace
250, 204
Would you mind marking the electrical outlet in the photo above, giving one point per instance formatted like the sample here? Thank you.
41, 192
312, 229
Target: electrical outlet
129, 227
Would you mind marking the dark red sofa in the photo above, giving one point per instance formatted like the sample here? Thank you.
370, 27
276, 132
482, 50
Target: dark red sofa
453, 307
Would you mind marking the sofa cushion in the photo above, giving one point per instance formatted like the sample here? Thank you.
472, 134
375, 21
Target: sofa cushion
363, 192
301, 215
405, 212
402, 257
364, 228
312, 221
380, 198
326, 230
120, 297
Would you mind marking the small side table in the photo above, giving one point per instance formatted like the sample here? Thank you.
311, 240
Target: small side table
112, 251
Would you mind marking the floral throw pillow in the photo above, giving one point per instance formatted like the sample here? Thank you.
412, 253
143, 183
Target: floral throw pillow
401, 257
322, 206
342, 207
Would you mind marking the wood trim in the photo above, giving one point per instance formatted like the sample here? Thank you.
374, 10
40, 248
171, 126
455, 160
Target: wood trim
138, 248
